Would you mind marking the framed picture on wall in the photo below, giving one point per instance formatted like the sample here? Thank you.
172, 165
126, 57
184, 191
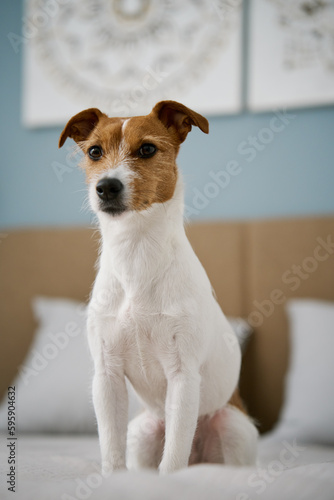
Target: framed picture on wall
291, 53
125, 55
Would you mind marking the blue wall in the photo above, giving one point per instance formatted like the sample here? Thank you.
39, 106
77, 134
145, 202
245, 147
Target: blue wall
286, 173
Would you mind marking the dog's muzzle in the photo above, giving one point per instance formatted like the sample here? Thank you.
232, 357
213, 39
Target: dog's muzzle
111, 195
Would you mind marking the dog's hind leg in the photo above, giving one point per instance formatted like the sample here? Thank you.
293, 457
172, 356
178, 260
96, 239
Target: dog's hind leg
233, 433
145, 442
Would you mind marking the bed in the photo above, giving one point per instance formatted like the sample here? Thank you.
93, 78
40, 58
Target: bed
276, 274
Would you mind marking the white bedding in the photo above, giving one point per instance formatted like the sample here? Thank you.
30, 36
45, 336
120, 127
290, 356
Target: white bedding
66, 467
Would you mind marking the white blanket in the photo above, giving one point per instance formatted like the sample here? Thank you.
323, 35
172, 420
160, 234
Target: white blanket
67, 468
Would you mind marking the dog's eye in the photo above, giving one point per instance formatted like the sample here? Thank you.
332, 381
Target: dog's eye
147, 150
95, 152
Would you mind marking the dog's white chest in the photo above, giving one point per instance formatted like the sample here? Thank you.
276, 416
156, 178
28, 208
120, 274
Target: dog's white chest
144, 336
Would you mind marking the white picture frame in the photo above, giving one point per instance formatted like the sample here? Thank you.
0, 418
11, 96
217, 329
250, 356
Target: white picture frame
185, 51
291, 54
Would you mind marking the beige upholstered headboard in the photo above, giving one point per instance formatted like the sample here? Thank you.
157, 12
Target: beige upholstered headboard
253, 266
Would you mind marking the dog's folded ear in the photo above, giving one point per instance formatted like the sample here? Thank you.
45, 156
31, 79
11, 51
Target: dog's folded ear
176, 115
81, 125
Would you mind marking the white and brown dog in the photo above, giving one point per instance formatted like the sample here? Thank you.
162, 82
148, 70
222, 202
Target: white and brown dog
152, 317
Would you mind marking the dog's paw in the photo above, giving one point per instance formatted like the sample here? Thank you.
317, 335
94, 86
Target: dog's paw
107, 468
168, 467
163, 471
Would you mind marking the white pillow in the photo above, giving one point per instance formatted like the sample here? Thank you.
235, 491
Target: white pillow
308, 411
54, 383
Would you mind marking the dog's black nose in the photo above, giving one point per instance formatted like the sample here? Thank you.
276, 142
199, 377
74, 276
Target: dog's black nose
108, 189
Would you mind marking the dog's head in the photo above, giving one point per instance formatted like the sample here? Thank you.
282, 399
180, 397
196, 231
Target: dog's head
130, 163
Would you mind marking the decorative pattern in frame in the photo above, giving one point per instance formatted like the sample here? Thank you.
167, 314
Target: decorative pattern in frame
291, 53
124, 55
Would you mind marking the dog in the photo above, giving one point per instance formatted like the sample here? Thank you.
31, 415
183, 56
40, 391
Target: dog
153, 318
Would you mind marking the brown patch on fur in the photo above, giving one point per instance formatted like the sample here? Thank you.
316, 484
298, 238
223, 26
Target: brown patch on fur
236, 401
179, 118
154, 178
108, 135
81, 125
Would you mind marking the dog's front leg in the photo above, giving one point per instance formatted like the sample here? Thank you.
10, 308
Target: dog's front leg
182, 404
110, 397
110, 401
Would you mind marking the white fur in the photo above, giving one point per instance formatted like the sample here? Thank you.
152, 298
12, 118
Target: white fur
238, 437
121, 172
153, 319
